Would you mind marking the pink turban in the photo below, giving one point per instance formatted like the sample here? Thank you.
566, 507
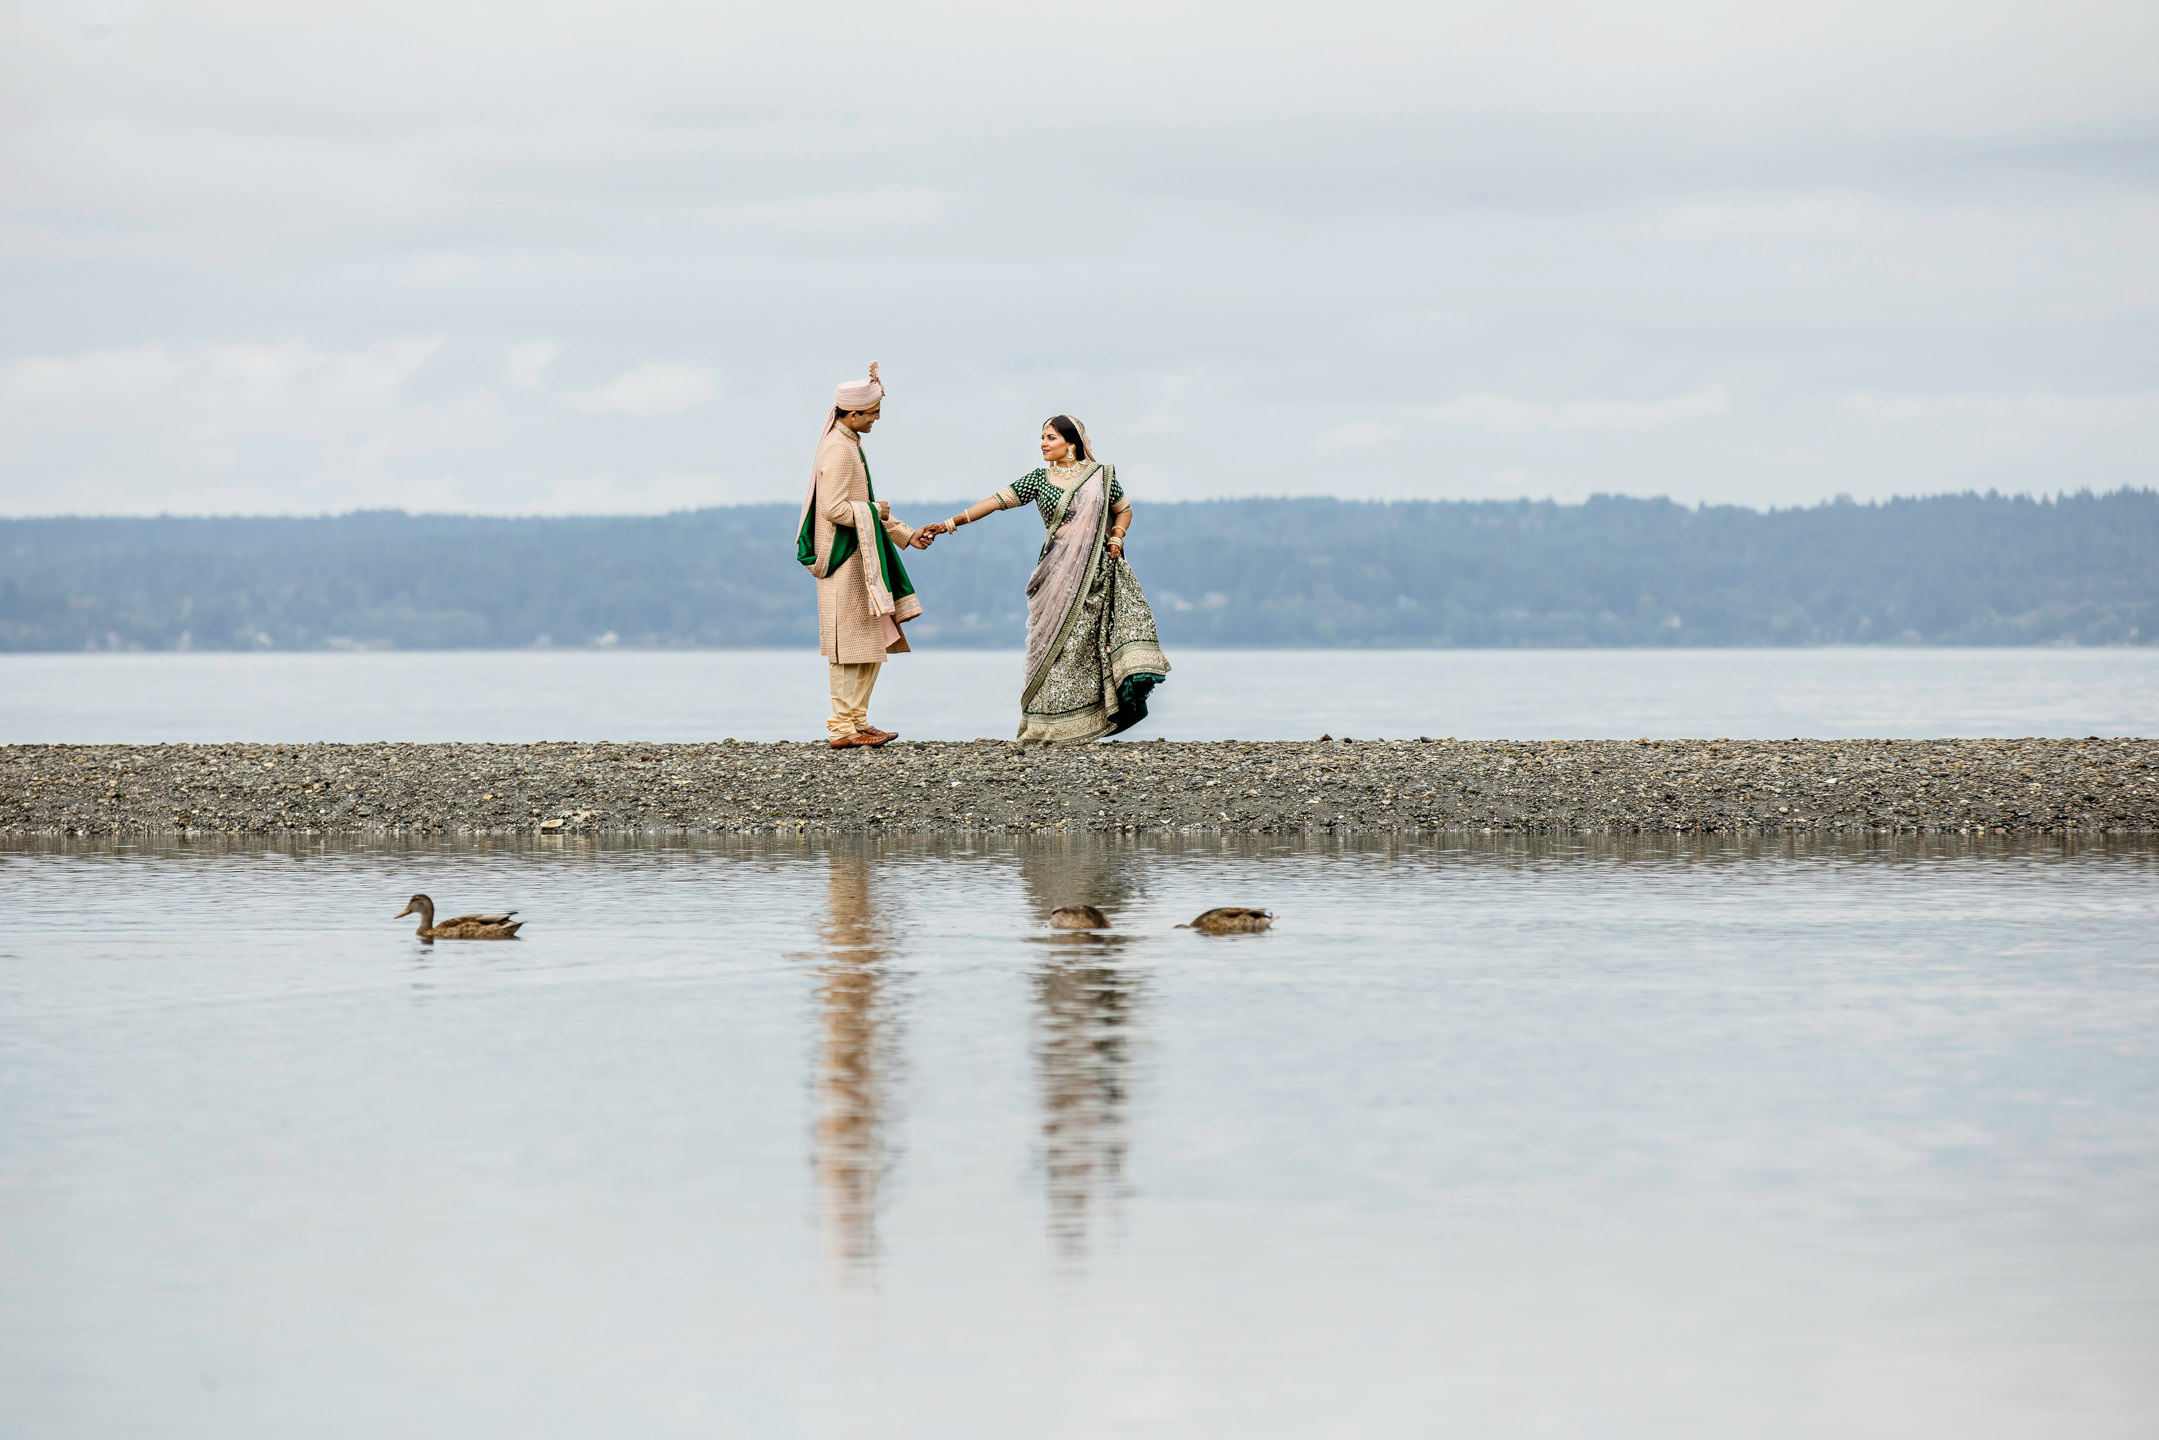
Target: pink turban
856, 395
860, 394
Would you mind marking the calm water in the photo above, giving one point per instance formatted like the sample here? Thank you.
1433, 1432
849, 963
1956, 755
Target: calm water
774, 1140
958, 695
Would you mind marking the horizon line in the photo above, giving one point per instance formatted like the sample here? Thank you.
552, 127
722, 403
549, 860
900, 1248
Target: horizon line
1595, 497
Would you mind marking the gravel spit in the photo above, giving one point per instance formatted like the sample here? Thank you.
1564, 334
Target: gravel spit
2013, 787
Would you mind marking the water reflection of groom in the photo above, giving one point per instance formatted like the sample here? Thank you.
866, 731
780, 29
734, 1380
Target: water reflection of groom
857, 1049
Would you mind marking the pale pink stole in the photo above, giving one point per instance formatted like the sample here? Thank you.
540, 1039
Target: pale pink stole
1060, 576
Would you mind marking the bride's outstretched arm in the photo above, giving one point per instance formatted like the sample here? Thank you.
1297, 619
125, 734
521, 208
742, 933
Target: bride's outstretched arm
972, 513
1120, 520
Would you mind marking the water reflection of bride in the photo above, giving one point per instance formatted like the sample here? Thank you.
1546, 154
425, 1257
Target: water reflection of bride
1087, 1012
856, 1071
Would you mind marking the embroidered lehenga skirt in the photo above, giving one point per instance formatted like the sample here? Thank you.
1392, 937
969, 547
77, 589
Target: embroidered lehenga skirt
1092, 652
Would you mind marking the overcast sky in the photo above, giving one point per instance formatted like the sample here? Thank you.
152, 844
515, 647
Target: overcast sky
540, 257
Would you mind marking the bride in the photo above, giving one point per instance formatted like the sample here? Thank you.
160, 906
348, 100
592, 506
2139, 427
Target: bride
1092, 654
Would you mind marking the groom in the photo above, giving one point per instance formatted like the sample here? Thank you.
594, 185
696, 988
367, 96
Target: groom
848, 539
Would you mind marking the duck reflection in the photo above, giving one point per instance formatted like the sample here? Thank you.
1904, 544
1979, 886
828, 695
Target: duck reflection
858, 1058
1087, 1012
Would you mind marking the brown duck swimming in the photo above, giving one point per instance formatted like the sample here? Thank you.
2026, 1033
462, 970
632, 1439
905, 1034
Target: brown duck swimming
1230, 920
1078, 917
464, 927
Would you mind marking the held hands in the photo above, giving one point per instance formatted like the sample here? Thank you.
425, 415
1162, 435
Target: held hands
919, 540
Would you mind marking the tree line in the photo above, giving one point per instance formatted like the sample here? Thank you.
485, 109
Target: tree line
1944, 570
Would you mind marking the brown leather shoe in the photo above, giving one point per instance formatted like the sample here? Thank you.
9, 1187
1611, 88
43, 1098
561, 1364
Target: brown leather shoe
848, 742
882, 735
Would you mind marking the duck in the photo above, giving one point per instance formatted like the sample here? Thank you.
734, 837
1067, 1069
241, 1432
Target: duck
1078, 917
464, 927
1230, 920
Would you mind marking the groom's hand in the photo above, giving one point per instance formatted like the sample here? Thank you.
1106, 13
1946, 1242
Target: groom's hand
923, 537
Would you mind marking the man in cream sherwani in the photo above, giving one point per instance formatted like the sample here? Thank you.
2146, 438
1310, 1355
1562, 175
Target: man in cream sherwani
848, 539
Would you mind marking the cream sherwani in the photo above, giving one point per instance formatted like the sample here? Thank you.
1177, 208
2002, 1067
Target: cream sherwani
847, 632
853, 638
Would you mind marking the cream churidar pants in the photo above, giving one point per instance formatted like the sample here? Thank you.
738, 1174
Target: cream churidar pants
851, 686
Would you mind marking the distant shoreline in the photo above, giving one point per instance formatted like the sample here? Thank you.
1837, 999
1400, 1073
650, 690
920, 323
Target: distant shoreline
1611, 572
1671, 787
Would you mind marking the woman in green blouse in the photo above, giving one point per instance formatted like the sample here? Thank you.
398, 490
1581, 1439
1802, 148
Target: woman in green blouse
1092, 652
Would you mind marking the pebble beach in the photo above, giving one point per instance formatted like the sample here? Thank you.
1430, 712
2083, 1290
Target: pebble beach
1998, 787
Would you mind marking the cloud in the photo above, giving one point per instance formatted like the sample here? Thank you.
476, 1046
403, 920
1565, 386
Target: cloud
654, 388
1356, 434
604, 494
528, 363
277, 426
427, 270
292, 375
279, 376
1257, 256
2034, 410
2068, 433
1499, 412
99, 377
847, 212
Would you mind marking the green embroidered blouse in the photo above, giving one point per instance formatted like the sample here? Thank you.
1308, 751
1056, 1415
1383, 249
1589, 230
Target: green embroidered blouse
1048, 495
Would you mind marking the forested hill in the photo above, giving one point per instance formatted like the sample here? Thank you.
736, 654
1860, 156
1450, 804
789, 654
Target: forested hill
1964, 569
